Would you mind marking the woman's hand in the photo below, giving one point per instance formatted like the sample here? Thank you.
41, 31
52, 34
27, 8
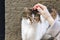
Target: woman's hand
44, 12
41, 8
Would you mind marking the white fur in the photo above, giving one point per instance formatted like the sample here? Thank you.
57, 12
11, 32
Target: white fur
33, 31
41, 28
28, 30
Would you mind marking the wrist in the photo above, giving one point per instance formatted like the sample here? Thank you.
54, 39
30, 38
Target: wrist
48, 17
50, 20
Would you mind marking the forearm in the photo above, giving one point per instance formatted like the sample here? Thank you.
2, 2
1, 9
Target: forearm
48, 17
50, 20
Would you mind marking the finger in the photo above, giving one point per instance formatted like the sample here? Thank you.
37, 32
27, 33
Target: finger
40, 5
40, 10
36, 6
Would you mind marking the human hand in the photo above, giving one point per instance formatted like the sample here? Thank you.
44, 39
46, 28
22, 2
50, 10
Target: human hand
44, 12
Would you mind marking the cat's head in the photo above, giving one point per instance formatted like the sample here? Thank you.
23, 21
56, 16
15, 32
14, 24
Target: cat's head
33, 15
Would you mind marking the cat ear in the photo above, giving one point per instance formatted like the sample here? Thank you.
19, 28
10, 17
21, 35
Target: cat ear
24, 13
30, 9
25, 9
54, 10
54, 13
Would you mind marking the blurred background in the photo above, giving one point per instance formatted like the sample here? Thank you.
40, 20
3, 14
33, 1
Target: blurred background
13, 11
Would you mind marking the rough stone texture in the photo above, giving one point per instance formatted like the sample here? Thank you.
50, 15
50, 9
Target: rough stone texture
13, 11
